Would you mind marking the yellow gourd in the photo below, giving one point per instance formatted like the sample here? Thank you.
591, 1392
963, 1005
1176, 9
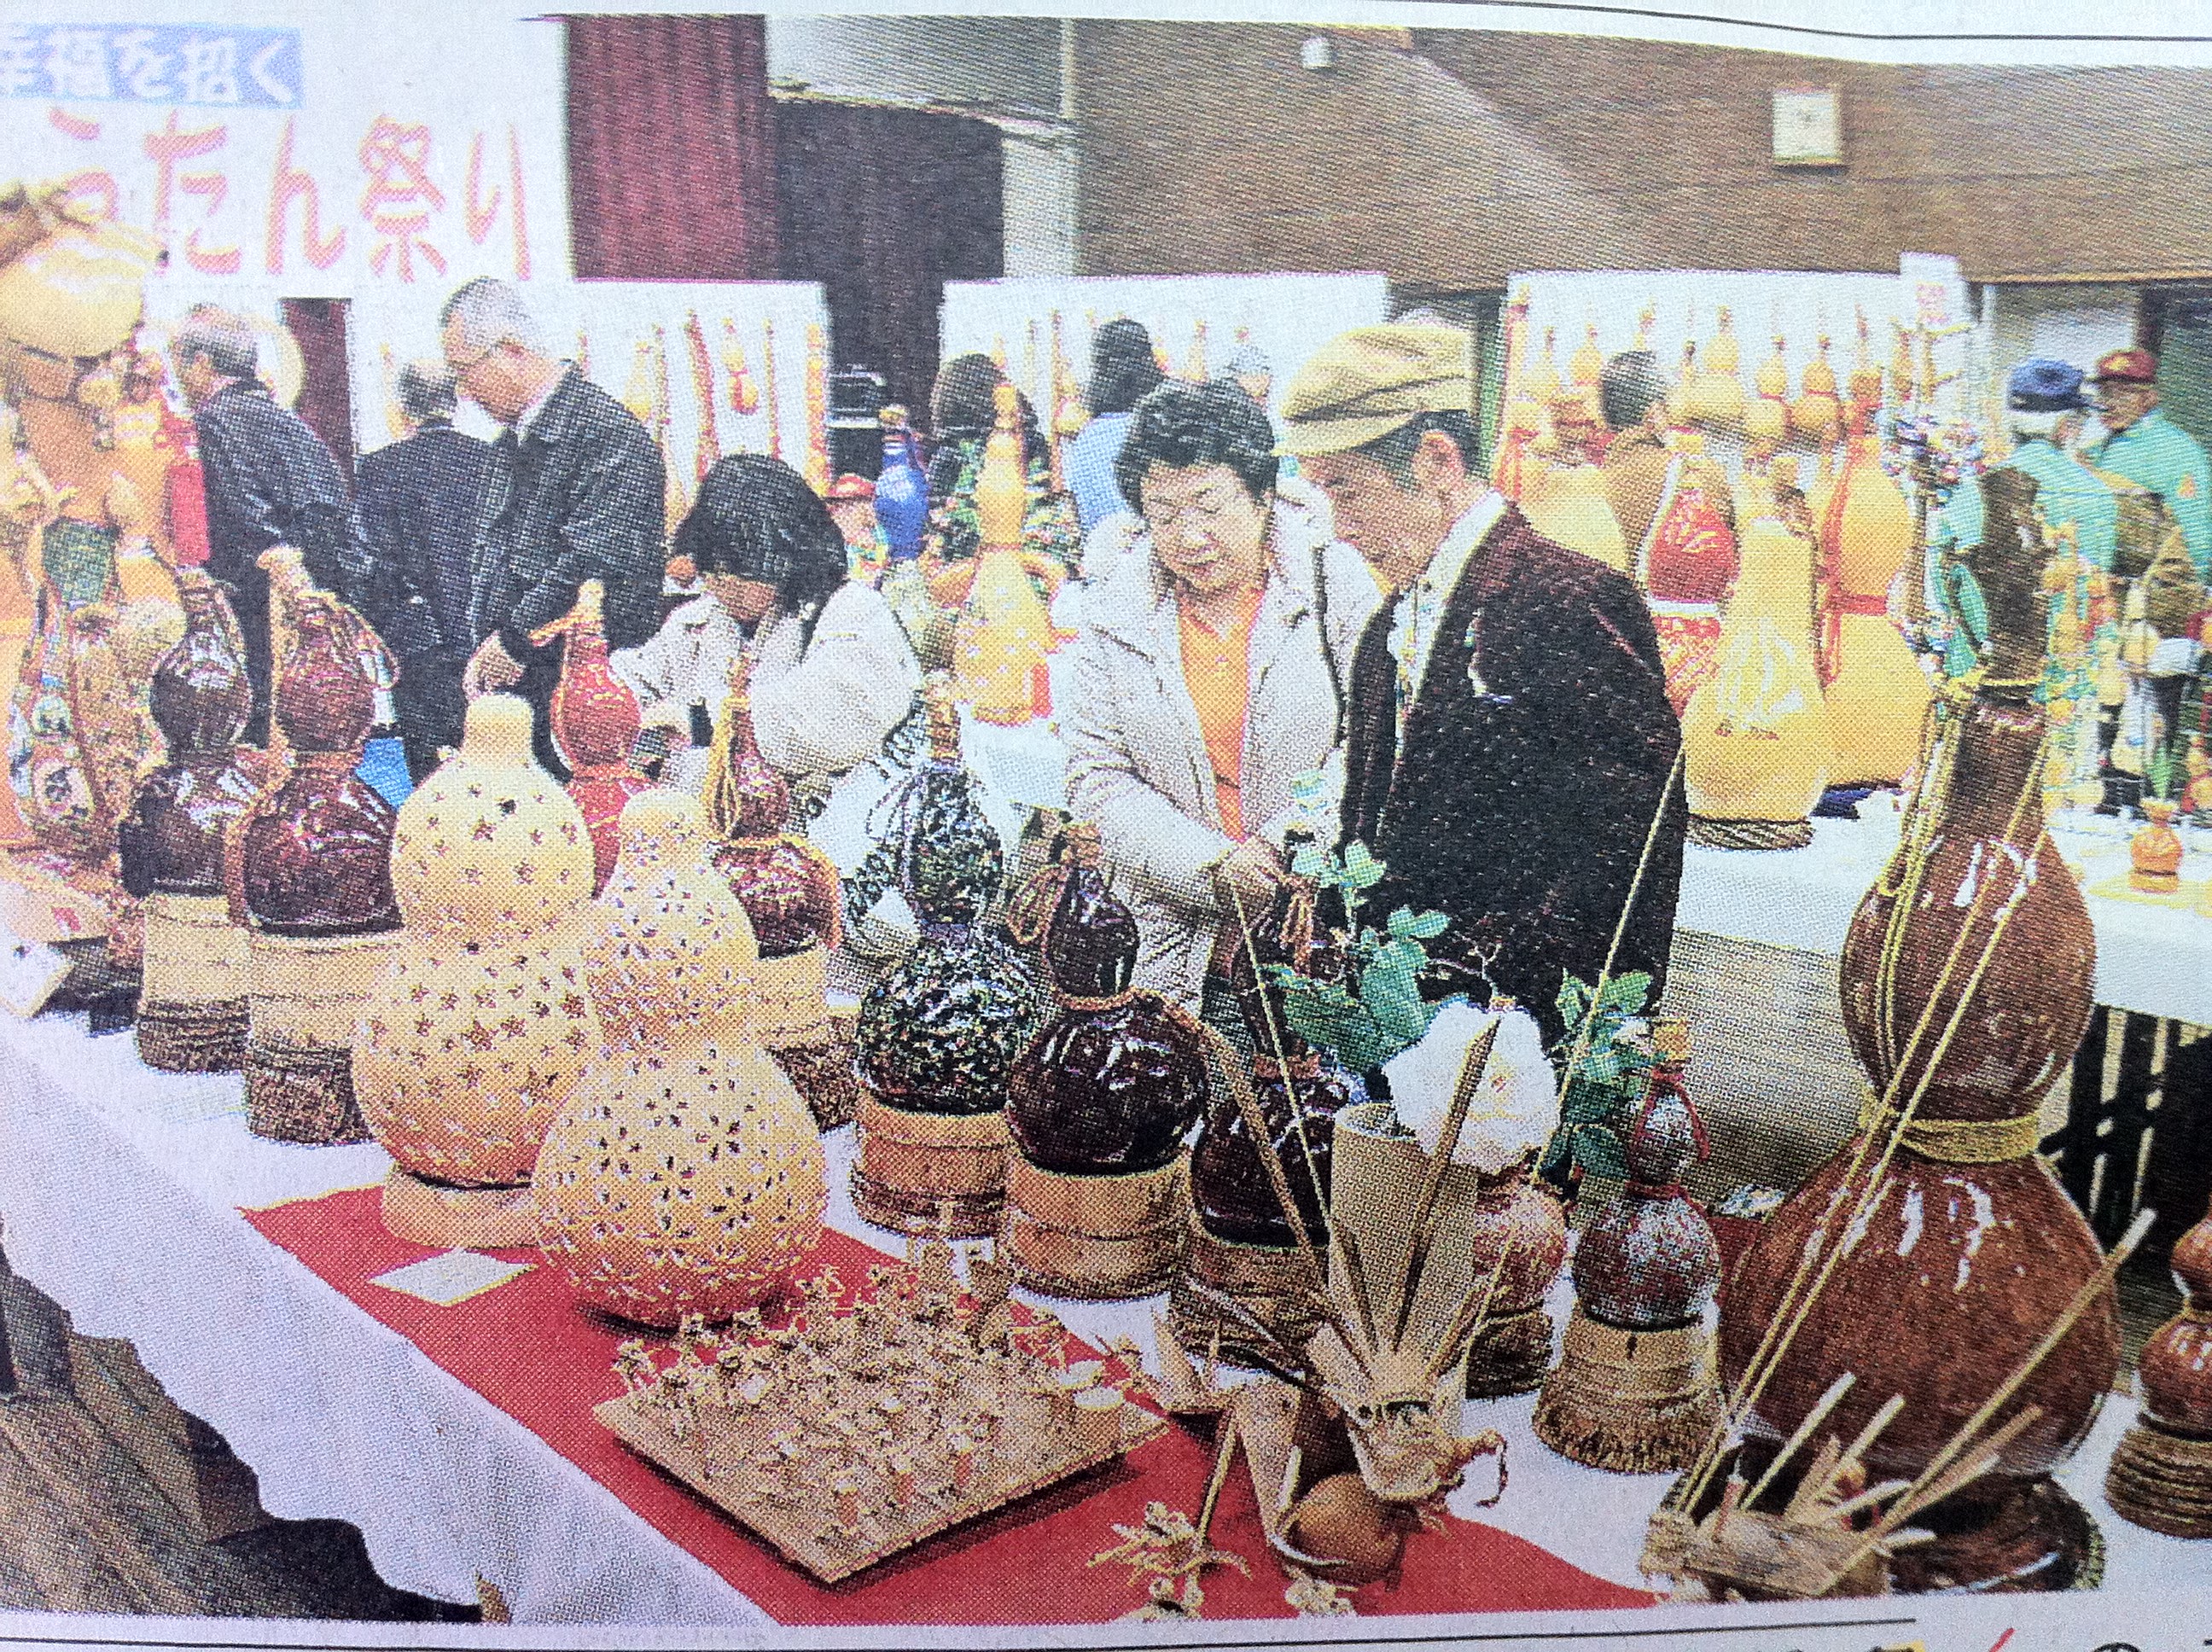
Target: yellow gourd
1817, 414
1766, 417
1878, 696
1755, 737
1586, 368
1004, 633
1717, 394
1568, 504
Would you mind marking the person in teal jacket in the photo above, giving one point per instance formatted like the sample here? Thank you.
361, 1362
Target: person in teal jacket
2151, 451
2043, 410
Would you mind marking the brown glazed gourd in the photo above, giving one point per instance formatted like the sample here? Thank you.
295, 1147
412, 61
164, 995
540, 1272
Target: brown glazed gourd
1969, 1250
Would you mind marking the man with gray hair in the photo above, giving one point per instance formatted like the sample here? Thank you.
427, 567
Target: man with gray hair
418, 508
573, 491
269, 480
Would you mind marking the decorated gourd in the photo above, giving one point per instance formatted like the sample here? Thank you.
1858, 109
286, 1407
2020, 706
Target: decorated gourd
192, 1008
595, 723
1876, 692
1004, 635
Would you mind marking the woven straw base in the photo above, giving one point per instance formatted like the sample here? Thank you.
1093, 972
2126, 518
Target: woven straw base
1509, 1355
458, 1219
1271, 1285
192, 1037
1750, 834
302, 1093
2162, 1480
937, 1173
1634, 1402
1094, 1238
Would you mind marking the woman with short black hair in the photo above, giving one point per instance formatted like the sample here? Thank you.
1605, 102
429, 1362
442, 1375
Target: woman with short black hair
1123, 372
1208, 675
831, 673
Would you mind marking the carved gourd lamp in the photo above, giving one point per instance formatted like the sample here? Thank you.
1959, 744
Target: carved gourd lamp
2161, 1475
311, 865
1100, 1102
1877, 695
1687, 567
790, 889
937, 1035
483, 1024
684, 1176
1756, 746
1634, 1390
1004, 633
595, 723
1948, 1250
192, 1006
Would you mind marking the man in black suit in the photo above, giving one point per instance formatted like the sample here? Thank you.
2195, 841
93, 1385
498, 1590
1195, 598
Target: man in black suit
418, 504
573, 491
1510, 741
269, 482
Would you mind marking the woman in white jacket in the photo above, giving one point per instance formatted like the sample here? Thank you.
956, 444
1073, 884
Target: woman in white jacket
1209, 674
831, 673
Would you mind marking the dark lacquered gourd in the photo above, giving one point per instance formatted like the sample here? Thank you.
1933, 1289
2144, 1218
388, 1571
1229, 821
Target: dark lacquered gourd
171, 840
787, 886
1956, 1268
1297, 1095
941, 1032
1647, 1261
317, 858
1117, 1079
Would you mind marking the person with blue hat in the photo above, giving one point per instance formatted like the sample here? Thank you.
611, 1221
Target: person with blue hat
2044, 411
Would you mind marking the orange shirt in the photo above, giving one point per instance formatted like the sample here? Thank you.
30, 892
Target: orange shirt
1216, 670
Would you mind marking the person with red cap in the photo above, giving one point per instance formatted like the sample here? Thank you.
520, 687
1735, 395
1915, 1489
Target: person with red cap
2148, 449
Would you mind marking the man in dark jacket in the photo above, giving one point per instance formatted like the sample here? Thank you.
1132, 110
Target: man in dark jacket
418, 508
269, 482
1510, 741
573, 491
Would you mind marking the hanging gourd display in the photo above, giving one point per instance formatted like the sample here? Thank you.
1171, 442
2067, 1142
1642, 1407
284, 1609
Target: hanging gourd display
1935, 1258
1818, 413
1756, 744
1100, 1102
1766, 416
1003, 638
1715, 392
938, 1034
1634, 1390
683, 1175
789, 889
595, 723
309, 861
483, 1024
193, 1010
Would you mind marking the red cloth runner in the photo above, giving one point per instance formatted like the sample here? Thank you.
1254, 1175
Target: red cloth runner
529, 1350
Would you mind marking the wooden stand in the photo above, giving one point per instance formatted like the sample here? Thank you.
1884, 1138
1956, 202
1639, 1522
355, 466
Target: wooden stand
1273, 1284
2162, 1478
447, 1217
307, 995
1096, 1238
1636, 1402
931, 1173
195, 1470
192, 1012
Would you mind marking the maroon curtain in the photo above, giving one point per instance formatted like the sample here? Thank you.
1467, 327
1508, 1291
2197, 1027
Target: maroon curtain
671, 163
883, 207
326, 385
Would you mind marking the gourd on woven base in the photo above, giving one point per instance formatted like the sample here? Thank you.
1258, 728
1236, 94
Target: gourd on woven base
192, 1013
307, 993
1095, 1238
2161, 1475
2162, 1478
930, 1173
1274, 1284
1636, 1402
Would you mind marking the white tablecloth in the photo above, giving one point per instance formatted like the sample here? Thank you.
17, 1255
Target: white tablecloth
121, 1187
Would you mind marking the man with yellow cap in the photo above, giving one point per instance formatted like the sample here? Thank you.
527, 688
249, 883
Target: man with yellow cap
1509, 739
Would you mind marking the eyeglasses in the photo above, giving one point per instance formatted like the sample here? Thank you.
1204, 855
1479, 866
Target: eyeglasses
462, 369
1204, 512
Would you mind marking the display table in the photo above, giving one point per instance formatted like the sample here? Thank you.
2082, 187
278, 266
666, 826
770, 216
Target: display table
125, 1194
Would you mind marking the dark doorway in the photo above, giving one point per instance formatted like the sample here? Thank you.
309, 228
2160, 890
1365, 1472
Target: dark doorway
883, 207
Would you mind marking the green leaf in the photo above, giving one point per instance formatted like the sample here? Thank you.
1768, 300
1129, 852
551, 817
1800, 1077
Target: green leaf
1312, 861
1361, 869
1557, 1151
1597, 1149
1627, 993
1572, 1003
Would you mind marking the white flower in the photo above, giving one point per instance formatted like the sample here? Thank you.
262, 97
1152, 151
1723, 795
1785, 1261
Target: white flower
1513, 1111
